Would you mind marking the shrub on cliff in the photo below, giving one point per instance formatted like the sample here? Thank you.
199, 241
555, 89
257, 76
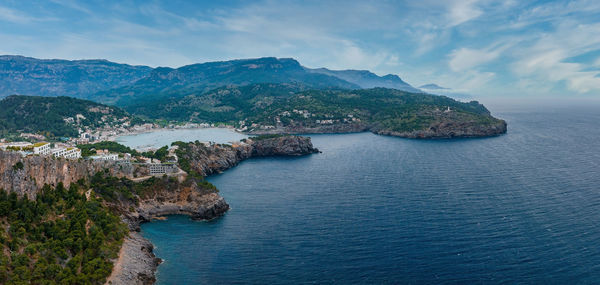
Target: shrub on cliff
18, 166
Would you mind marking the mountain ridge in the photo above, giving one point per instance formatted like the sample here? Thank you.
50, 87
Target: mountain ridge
60, 77
367, 79
105, 81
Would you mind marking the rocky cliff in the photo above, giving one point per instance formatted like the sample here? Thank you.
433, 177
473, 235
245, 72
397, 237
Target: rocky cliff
444, 127
450, 129
146, 199
39, 170
209, 159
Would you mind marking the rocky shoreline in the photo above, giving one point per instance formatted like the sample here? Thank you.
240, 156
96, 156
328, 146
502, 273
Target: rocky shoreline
184, 194
438, 130
137, 264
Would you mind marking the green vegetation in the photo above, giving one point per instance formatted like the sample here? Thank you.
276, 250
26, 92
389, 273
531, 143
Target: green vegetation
55, 117
182, 152
165, 83
90, 149
160, 154
294, 106
264, 137
59, 238
18, 166
123, 190
223, 105
113, 189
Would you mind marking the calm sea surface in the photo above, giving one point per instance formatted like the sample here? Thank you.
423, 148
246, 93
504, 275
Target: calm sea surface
161, 138
519, 208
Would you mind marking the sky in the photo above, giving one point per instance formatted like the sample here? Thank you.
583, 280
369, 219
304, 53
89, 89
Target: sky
489, 48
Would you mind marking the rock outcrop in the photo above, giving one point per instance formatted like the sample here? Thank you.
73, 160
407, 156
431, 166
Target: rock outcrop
324, 129
442, 128
207, 160
451, 129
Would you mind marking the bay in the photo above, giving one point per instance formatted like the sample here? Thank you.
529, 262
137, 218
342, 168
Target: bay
518, 208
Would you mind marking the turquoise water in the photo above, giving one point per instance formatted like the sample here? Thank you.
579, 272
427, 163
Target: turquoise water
161, 138
519, 208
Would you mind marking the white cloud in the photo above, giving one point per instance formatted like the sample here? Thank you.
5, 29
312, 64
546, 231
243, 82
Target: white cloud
463, 11
546, 60
465, 58
73, 5
548, 68
14, 16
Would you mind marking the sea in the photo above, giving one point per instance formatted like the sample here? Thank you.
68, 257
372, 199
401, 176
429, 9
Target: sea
523, 207
164, 137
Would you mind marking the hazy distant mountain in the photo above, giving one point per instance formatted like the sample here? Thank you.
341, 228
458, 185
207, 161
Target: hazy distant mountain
432, 86
166, 82
367, 79
55, 77
435, 89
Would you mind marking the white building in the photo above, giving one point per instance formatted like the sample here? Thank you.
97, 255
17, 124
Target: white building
70, 152
59, 152
73, 152
157, 168
41, 148
106, 156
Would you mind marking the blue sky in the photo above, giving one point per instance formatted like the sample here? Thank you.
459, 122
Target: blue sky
488, 48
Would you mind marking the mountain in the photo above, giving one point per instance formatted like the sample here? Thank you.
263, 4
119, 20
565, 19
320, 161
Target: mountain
55, 116
123, 85
289, 108
433, 86
166, 82
223, 104
55, 77
367, 79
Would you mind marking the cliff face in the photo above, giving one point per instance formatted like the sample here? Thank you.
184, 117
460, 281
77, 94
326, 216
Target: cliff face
442, 128
40, 170
451, 129
207, 160
324, 129
162, 196
158, 196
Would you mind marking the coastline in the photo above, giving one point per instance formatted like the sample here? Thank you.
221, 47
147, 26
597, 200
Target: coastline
442, 130
137, 263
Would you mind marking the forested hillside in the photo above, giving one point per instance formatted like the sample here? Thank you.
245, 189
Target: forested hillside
61, 237
287, 107
55, 116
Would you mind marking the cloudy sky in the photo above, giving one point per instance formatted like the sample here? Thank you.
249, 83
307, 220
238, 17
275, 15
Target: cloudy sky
488, 48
